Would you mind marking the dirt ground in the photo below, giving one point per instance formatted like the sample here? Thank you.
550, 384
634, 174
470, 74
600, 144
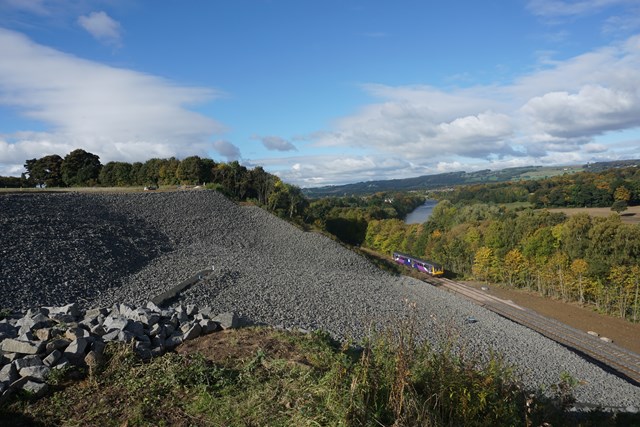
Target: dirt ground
622, 332
630, 216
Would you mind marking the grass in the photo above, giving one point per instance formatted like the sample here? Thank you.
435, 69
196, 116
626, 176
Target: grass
263, 377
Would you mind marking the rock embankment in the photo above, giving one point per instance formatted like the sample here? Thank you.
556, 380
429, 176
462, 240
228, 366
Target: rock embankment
264, 269
34, 344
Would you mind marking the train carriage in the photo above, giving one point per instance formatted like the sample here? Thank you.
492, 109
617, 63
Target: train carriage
428, 267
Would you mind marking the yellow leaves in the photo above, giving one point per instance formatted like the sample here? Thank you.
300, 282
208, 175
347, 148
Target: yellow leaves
622, 194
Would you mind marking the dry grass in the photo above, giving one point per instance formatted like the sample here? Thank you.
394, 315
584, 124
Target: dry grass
630, 216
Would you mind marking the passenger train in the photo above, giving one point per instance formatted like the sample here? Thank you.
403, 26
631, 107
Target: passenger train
419, 264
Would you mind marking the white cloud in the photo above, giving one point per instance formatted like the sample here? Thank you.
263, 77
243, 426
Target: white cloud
102, 27
275, 143
562, 8
116, 113
557, 109
591, 111
227, 150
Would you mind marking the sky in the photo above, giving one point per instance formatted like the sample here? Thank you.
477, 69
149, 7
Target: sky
322, 92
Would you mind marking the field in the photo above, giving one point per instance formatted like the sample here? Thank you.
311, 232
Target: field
630, 216
550, 171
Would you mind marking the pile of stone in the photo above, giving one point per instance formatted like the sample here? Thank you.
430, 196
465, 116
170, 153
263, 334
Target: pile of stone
54, 338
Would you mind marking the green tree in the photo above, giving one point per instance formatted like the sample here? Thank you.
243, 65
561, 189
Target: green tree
190, 170
46, 170
619, 206
80, 168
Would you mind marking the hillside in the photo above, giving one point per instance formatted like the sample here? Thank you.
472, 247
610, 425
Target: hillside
100, 250
443, 180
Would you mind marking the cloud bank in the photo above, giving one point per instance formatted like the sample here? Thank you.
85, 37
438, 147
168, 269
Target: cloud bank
117, 113
551, 116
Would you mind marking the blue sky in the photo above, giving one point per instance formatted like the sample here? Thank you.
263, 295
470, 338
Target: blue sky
322, 92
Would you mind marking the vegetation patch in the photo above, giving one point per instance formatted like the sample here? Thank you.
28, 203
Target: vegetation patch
259, 376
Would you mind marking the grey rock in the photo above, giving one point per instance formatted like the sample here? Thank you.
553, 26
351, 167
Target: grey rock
143, 350
52, 358
63, 319
111, 336
168, 330
26, 335
119, 323
155, 330
43, 334
208, 326
8, 373
27, 361
57, 344
227, 320
206, 312
76, 349
37, 373
193, 332
38, 389
98, 330
98, 347
173, 341
135, 327
10, 357
23, 347
8, 329
191, 310
95, 313
154, 308
62, 363
125, 336
75, 333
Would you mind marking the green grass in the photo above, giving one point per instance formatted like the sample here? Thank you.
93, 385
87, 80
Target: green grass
291, 379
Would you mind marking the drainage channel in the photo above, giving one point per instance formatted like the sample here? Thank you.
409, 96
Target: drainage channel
168, 296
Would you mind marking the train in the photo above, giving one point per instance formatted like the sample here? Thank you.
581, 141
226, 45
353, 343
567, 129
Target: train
428, 267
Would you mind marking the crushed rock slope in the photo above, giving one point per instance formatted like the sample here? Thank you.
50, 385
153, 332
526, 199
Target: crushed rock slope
98, 249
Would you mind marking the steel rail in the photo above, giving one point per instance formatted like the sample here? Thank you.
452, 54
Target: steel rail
615, 359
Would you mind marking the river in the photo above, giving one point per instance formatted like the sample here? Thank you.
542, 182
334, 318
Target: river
421, 213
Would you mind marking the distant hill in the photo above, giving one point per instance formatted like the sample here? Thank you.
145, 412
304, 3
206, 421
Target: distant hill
444, 180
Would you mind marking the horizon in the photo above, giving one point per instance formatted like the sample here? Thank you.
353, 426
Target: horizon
323, 94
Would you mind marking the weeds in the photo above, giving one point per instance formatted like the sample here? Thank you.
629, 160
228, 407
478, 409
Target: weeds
390, 380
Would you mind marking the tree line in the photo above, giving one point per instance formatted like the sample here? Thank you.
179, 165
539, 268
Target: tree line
593, 261
80, 168
617, 188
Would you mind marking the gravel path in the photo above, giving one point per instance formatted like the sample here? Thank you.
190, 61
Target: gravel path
101, 249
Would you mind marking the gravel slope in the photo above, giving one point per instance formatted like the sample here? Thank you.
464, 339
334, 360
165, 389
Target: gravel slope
101, 249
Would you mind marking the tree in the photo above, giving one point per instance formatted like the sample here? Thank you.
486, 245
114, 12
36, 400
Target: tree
515, 265
484, 264
45, 171
622, 194
619, 206
579, 268
190, 170
80, 168
116, 174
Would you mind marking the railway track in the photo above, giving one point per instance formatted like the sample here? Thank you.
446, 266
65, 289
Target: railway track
613, 358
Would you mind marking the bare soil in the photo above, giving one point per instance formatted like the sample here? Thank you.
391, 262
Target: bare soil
233, 345
630, 216
623, 332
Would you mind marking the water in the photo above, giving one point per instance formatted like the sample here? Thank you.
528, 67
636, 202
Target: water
421, 213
